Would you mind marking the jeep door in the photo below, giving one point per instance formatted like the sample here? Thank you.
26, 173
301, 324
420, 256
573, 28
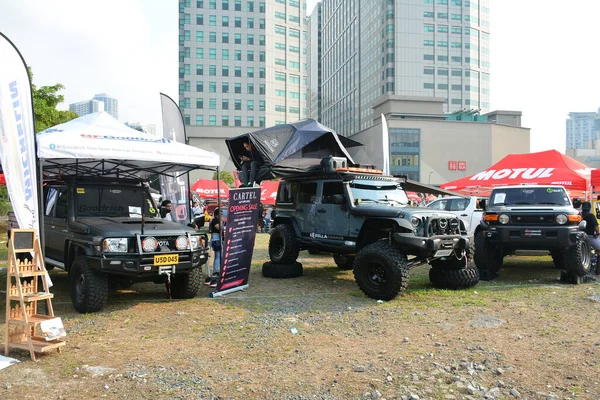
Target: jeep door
332, 211
306, 208
55, 221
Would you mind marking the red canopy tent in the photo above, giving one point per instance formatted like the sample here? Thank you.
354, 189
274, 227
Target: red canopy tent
2, 179
207, 188
543, 168
268, 192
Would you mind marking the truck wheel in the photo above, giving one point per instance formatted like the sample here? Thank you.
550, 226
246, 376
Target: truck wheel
344, 262
558, 259
487, 258
186, 286
282, 271
578, 258
283, 245
89, 288
454, 279
380, 271
452, 262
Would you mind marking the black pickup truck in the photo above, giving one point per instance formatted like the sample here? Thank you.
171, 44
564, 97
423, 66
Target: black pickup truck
108, 231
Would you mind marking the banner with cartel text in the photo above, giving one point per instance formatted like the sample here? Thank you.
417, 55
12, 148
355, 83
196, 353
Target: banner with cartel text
17, 135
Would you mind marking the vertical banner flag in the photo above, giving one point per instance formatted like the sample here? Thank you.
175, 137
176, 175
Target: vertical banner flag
17, 136
175, 188
238, 241
386, 145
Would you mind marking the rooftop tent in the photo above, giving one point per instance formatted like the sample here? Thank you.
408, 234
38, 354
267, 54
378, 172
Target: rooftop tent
542, 168
293, 148
97, 144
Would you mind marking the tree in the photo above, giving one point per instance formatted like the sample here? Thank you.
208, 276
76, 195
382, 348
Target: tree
45, 100
225, 177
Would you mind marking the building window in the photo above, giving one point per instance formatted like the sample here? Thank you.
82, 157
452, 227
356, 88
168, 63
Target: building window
187, 119
199, 119
225, 21
428, 57
212, 120
279, 92
225, 37
212, 20
212, 37
237, 22
428, 86
237, 38
250, 23
199, 36
225, 120
199, 52
225, 87
262, 73
225, 104
199, 86
250, 39
212, 70
238, 88
428, 43
212, 87
250, 55
443, 58
250, 105
442, 71
225, 54
442, 15
250, 121
238, 72
250, 6
443, 86
250, 88
250, 72
200, 104
442, 43
279, 108
456, 87
199, 69
428, 71
199, 19
443, 28
237, 5
237, 121
237, 104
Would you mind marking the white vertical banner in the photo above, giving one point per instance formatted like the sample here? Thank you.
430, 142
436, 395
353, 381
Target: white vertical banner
385, 139
17, 135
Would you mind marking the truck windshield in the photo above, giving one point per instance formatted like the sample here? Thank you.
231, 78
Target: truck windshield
528, 195
114, 202
388, 193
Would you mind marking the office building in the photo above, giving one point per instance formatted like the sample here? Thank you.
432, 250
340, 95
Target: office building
429, 48
313, 76
583, 129
86, 107
241, 63
111, 105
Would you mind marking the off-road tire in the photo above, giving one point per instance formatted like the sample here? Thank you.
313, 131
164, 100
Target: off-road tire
89, 288
282, 271
380, 270
186, 286
558, 259
487, 258
454, 279
283, 245
578, 258
344, 262
452, 262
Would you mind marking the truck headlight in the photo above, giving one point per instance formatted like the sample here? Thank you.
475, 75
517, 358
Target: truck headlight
194, 240
149, 244
561, 219
503, 219
181, 243
115, 245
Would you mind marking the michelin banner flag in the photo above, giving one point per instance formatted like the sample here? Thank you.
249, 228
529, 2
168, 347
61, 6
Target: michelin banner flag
17, 135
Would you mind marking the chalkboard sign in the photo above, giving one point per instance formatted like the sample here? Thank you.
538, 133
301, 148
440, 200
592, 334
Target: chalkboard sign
22, 239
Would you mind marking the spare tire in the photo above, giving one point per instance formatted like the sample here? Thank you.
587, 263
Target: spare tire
282, 271
454, 279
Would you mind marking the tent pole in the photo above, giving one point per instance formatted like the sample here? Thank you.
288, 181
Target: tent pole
41, 210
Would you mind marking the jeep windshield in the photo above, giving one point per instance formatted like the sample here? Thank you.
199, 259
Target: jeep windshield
117, 201
378, 192
556, 196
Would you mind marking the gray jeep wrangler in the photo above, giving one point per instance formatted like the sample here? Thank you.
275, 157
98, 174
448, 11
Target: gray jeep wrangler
108, 230
361, 216
531, 217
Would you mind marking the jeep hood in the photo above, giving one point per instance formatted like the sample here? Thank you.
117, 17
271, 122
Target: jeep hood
119, 227
397, 212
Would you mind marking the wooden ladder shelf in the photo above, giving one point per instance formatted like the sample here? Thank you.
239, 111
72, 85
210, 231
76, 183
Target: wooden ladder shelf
25, 268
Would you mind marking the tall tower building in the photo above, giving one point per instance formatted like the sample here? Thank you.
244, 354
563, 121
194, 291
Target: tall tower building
583, 129
242, 63
432, 48
86, 107
111, 105
314, 83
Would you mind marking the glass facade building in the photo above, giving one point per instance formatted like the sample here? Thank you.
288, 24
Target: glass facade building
433, 48
583, 129
111, 105
242, 62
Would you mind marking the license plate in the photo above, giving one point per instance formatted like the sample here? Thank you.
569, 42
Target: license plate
166, 259
443, 253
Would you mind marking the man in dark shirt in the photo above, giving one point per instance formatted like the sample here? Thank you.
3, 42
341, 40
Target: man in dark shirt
592, 230
251, 162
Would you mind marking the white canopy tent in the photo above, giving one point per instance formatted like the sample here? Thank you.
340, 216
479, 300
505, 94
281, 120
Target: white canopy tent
97, 144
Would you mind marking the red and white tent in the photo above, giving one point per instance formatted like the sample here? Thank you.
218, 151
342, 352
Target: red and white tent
544, 168
207, 189
268, 192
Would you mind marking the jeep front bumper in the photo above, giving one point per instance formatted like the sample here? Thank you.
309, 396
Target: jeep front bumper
432, 244
143, 266
533, 237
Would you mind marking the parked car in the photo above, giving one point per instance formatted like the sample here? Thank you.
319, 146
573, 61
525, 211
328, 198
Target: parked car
468, 209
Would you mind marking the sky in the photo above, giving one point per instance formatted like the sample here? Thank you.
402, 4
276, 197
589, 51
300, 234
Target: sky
543, 58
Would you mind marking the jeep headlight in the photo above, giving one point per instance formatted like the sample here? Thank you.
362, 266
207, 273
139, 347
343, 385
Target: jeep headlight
561, 219
181, 243
115, 245
503, 219
194, 242
415, 221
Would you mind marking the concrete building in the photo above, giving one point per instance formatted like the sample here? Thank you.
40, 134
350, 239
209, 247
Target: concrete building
111, 105
432, 147
314, 74
86, 107
429, 48
242, 63
583, 129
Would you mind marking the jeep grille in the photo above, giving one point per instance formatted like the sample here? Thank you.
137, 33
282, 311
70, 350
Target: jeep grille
441, 226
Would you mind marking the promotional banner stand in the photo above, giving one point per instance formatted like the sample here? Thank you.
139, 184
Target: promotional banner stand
227, 291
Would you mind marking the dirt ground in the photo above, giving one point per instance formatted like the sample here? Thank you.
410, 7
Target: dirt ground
523, 335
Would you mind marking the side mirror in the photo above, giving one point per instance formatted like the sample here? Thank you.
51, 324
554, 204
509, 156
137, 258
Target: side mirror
339, 199
483, 204
582, 225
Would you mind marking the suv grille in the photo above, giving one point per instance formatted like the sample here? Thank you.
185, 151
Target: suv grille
532, 219
441, 226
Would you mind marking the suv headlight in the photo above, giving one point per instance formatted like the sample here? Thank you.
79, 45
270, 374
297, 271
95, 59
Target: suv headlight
415, 221
181, 243
503, 219
194, 240
115, 245
561, 219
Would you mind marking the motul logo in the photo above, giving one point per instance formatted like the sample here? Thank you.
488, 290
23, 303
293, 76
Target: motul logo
209, 191
513, 173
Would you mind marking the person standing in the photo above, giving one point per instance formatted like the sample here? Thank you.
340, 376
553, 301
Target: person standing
214, 229
268, 218
261, 219
592, 230
251, 162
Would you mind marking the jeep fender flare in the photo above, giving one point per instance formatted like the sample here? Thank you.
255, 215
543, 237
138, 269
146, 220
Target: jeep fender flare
73, 250
287, 221
384, 226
